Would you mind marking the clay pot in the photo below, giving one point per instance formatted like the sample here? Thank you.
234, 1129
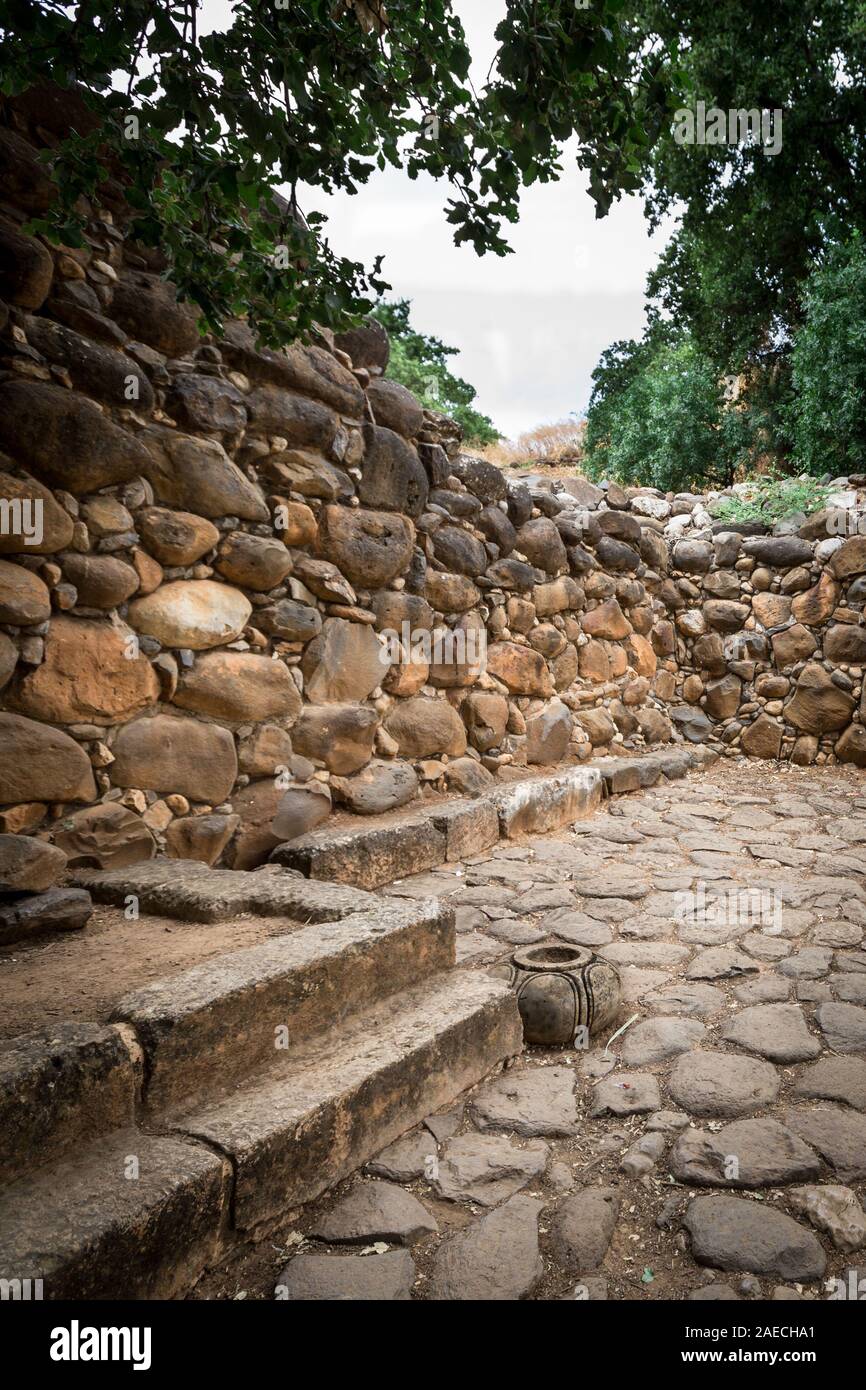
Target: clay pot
561, 989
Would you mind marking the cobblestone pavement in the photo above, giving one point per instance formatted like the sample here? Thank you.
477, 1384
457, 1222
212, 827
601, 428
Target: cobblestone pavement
718, 1148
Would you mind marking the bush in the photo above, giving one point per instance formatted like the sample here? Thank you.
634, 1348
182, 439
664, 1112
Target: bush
772, 498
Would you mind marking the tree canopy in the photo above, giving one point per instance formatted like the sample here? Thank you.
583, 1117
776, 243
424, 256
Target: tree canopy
203, 127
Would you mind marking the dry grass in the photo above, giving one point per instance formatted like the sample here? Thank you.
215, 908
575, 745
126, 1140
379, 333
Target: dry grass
553, 443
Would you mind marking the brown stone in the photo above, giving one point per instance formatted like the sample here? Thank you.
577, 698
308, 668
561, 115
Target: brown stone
843, 642
607, 620
303, 806
763, 738
522, 670
149, 572
850, 558
771, 610
339, 736
87, 676
171, 754
593, 662
26, 268
24, 599
108, 836
101, 581
198, 476
41, 764
425, 728
253, 562
450, 593
146, 307
723, 615
815, 605
539, 540
8, 659
28, 864
195, 613
345, 663
818, 706
641, 655
256, 806
267, 748
238, 687
296, 523
794, 644
63, 437
851, 747
175, 538
47, 525
202, 838
370, 548
723, 697
392, 475
395, 407
598, 724
486, 717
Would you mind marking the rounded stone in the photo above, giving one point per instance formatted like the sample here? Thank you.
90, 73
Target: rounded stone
722, 1083
195, 613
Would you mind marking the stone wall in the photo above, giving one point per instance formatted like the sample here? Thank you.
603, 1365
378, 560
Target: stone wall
194, 641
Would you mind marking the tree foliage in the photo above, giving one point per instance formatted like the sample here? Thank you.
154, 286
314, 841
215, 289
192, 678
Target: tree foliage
827, 412
321, 93
420, 363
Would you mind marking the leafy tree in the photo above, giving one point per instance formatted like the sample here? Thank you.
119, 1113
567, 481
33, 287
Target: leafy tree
420, 362
202, 128
826, 415
751, 223
655, 415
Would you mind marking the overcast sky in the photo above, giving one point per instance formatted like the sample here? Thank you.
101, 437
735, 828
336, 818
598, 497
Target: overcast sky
530, 326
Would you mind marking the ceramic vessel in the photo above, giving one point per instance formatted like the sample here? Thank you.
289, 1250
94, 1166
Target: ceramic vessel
562, 989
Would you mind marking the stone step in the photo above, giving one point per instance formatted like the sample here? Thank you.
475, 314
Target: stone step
141, 1215
131, 1216
222, 1021
327, 1109
59, 1087
369, 855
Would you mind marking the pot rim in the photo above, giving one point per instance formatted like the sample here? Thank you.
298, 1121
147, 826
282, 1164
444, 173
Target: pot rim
552, 956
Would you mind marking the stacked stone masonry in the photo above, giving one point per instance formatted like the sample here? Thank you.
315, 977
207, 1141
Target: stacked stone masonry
216, 559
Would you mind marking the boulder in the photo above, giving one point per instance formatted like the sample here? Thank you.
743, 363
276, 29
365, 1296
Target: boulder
63, 437
548, 734
101, 581
267, 748
380, 787
26, 268
253, 562
607, 621
763, 738
289, 620
99, 371
814, 606
723, 697
206, 403
239, 687
367, 344
175, 538
168, 753
459, 551
24, 599
91, 674
108, 836
338, 736
28, 864
541, 543
778, 552
522, 670
146, 307
197, 475
395, 407
194, 613
303, 806
38, 763
202, 838
345, 663
794, 644
851, 747
850, 558
450, 593
486, 717
845, 643
393, 477
370, 547
36, 525
818, 706
425, 728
